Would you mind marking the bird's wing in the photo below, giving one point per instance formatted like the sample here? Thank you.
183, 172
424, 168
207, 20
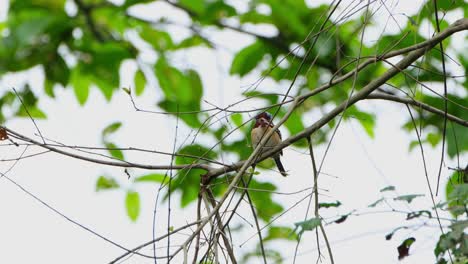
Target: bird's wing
279, 134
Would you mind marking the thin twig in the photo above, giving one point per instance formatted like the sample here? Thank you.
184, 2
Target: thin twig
426, 174
444, 130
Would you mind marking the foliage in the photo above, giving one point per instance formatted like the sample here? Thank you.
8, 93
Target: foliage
84, 50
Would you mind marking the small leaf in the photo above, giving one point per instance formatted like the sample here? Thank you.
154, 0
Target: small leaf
294, 123
341, 219
160, 40
237, 119
408, 198
433, 138
111, 128
264, 200
196, 6
417, 214
192, 41
388, 188
376, 202
132, 203
308, 225
140, 82
366, 120
153, 177
114, 151
127, 90
34, 112
49, 88
81, 84
106, 183
247, 59
390, 235
280, 232
328, 205
403, 249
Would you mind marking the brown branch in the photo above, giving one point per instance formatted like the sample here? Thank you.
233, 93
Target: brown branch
123, 164
257, 225
417, 51
134, 250
413, 102
314, 169
229, 249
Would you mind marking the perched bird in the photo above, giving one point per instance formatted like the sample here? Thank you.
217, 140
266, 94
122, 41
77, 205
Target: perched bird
263, 125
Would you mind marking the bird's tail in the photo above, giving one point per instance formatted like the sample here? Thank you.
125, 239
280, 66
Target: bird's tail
280, 166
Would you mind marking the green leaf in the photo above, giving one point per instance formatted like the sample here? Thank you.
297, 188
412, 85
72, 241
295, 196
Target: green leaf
192, 41
366, 120
49, 88
35, 113
247, 59
112, 128
374, 204
294, 123
307, 225
195, 150
456, 192
217, 11
388, 188
407, 198
114, 151
174, 84
140, 82
187, 181
160, 40
254, 17
328, 205
196, 6
81, 84
56, 70
271, 98
433, 138
153, 177
457, 137
267, 208
106, 183
280, 232
132, 203
289, 22
459, 192
237, 119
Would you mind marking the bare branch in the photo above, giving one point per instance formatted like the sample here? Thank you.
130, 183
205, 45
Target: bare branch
411, 101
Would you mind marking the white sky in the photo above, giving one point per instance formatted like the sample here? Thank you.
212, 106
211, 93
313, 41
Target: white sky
31, 232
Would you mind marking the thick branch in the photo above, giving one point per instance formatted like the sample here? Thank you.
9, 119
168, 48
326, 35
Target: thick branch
417, 51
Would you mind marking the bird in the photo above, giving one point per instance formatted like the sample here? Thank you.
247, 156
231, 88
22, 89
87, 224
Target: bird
263, 124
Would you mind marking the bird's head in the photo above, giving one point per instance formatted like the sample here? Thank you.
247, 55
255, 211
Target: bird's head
263, 119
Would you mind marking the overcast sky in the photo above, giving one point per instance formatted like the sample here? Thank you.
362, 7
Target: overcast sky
356, 168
